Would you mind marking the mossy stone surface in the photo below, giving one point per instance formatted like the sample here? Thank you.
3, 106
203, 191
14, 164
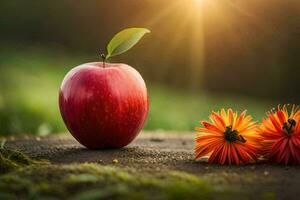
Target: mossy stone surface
157, 165
13, 159
94, 181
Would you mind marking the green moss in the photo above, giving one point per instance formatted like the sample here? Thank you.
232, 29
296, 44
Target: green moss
94, 181
13, 159
269, 196
25, 178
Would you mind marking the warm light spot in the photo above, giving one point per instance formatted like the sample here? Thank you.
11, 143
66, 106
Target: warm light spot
189, 33
198, 1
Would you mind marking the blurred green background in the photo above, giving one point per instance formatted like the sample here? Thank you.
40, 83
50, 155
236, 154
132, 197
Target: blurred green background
201, 55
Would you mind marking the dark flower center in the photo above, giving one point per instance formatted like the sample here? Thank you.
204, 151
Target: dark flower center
288, 126
233, 135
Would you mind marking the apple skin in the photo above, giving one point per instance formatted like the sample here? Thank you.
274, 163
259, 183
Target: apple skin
103, 105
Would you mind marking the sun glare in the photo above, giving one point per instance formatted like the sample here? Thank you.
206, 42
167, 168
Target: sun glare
198, 1
188, 31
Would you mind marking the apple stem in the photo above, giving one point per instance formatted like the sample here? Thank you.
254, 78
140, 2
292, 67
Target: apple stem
103, 56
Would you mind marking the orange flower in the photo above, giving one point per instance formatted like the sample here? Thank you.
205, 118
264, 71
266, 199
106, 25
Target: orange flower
281, 133
229, 138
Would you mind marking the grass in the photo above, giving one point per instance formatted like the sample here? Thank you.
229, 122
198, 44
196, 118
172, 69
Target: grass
30, 79
178, 110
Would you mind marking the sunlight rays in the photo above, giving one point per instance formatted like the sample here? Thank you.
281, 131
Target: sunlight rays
198, 1
197, 53
164, 13
182, 22
185, 27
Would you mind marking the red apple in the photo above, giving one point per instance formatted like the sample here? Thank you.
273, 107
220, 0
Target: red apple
103, 105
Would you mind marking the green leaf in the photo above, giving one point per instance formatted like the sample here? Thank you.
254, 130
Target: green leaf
124, 40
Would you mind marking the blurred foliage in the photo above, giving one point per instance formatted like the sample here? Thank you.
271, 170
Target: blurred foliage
30, 79
240, 54
242, 47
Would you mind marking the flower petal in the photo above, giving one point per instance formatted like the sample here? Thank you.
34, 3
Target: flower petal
281, 117
217, 119
210, 126
240, 119
275, 123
